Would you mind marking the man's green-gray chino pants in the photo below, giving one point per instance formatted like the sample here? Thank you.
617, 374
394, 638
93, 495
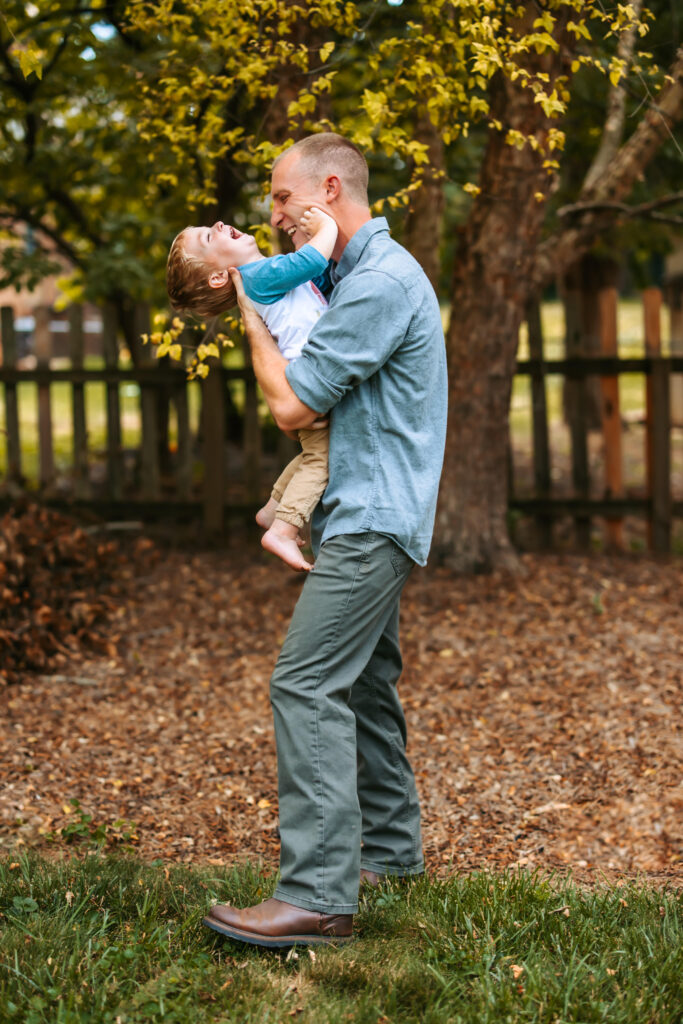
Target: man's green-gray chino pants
343, 774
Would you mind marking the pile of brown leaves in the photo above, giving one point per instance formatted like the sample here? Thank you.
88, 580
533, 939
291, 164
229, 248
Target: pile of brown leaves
58, 589
543, 715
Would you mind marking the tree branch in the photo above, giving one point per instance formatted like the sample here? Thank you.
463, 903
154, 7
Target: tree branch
23, 215
64, 200
613, 131
60, 14
16, 80
643, 210
563, 248
59, 50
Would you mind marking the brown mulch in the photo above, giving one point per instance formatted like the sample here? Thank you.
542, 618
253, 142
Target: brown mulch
544, 716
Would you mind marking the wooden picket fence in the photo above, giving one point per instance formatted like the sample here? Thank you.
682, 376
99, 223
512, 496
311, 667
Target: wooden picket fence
655, 502
167, 485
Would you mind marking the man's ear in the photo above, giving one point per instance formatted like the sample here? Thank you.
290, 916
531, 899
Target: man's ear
217, 278
332, 186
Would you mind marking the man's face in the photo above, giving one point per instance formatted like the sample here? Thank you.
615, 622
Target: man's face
293, 191
220, 246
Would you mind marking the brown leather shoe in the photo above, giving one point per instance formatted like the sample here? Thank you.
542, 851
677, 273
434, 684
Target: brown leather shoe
275, 925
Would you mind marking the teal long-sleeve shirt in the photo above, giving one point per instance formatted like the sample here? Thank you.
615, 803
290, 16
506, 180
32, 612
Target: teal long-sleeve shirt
269, 279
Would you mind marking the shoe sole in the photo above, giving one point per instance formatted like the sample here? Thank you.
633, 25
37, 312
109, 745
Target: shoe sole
276, 942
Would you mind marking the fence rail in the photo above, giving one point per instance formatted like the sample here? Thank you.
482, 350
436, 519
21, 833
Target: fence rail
221, 466
656, 504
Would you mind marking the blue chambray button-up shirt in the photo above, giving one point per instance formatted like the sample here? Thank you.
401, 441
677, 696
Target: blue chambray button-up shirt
377, 359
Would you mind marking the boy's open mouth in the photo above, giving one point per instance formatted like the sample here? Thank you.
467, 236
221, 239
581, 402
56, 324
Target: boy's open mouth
234, 233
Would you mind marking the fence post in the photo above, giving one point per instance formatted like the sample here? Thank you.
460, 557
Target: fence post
213, 430
658, 425
539, 409
9, 358
149, 454
675, 299
577, 406
80, 436
252, 432
184, 453
111, 360
42, 347
611, 417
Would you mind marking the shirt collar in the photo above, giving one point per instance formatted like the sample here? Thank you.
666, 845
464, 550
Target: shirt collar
354, 248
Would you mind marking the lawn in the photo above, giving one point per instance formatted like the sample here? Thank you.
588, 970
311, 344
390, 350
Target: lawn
111, 939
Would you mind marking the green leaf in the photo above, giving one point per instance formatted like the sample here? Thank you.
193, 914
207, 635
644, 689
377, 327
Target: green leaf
30, 59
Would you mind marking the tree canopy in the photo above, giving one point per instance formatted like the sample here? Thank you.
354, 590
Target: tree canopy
72, 159
121, 122
536, 122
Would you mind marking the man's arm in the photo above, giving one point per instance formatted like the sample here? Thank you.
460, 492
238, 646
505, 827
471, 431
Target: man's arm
368, 319
269, 366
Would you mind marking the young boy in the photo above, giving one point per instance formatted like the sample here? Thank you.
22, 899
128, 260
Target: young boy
284, 292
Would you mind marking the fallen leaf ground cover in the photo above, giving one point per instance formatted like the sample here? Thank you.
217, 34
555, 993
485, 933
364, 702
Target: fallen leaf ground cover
544, 717
59, 584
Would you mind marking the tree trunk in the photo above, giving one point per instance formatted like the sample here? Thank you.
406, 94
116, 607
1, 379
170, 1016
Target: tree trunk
425, 214
502, 262
490, 292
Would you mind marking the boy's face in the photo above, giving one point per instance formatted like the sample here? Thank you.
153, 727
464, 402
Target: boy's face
293, 191
220, 246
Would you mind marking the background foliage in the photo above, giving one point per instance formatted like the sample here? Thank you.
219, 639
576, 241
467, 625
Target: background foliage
121, 122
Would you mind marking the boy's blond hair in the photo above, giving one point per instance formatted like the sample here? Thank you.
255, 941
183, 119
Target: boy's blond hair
187, 283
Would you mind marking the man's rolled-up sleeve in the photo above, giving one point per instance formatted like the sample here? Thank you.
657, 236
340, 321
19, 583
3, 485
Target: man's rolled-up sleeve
365, 323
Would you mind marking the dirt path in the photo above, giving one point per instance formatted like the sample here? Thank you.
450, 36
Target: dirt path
544, 717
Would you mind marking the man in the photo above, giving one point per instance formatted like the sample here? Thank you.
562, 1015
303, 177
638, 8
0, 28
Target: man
376, 363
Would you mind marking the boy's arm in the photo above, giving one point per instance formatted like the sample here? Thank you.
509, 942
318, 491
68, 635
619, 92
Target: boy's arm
268, 280
269, 366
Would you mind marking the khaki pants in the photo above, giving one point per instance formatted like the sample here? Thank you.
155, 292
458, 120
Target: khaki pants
299, 487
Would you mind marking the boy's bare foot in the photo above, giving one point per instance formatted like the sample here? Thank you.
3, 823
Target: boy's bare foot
282, 539
266, 515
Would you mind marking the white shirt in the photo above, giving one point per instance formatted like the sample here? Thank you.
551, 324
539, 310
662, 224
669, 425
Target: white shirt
291, 319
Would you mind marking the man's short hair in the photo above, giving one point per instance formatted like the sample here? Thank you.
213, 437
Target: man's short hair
187, 283
329, 153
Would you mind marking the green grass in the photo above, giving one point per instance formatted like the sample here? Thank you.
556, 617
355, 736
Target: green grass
111, 939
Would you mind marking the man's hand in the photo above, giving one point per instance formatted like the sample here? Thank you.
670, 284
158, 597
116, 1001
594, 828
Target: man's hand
269, 364
245, 304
